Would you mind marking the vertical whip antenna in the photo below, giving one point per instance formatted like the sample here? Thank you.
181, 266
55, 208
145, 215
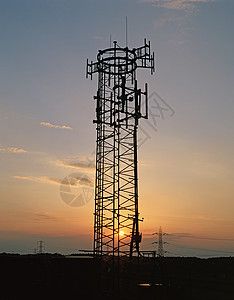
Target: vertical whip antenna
126, 28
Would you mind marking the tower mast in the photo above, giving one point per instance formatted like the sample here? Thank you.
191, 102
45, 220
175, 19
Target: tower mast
119, 106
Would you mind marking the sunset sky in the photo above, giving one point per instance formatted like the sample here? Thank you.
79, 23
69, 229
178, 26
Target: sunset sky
186, 162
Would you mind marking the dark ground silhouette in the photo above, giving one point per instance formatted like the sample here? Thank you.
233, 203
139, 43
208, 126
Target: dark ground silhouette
54, 276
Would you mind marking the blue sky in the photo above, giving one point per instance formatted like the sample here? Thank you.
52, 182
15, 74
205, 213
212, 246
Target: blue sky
46, 113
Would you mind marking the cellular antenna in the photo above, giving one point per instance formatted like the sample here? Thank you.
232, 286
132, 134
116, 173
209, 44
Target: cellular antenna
110, 41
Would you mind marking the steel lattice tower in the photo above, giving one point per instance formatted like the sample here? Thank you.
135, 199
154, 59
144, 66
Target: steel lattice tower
160, 243
119, 106
40, 247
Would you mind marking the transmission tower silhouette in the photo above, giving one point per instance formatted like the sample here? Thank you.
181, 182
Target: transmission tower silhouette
160, 242
120, 103
40, 247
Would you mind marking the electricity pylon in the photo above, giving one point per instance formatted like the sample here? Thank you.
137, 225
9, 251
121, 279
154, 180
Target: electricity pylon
160, 242
40, 247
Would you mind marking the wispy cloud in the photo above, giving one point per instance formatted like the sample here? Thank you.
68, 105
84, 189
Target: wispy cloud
47, 124
177, 4
209, 218
176, 16
13, 150
43, 216
173, 20
32, 178
77, 163
76, 180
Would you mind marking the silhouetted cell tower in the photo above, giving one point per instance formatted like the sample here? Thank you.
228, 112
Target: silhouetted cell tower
119, 106
160, 242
